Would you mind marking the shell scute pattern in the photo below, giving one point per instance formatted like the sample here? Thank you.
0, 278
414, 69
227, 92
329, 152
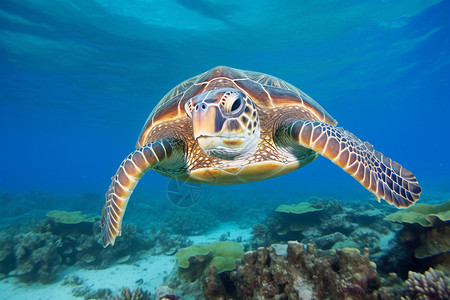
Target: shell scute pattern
281, 93
267, 92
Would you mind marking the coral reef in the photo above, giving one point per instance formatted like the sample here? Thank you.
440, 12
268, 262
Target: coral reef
276, 268
300, 208
433, 242
163, 292
7, 261
260, 232
195, 259
304, 273
136, 294
431, 285
69, 217
426, 215
39, 254
84, 248
36, 257
291, 219
72, 280
168, 244
107, 294
299, 271
424, 240
417, 248
296, 271
329, 224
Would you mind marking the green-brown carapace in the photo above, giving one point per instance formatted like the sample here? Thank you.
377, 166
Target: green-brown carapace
229, 126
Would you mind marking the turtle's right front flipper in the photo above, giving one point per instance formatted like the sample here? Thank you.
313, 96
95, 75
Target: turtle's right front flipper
380, 175
123, 183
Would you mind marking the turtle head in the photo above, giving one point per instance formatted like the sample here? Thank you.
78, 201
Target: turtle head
225, 123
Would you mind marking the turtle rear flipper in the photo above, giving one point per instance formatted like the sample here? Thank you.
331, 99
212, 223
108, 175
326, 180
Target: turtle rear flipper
123, 183
377, 173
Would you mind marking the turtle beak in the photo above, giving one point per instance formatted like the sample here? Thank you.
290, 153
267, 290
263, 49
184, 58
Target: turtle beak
207, 120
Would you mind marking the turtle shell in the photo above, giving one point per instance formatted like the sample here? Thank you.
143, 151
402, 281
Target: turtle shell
268, 92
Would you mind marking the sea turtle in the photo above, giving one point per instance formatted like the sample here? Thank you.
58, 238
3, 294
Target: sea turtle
229, 126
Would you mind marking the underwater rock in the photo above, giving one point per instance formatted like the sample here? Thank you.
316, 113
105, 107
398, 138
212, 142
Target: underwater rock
348, 243
311, 233
280, 249
369, 214
364, 213
171, 251
365, 237
337, 223
164, 292
433, 242
326, 241
213, 288
181, 289
123, 259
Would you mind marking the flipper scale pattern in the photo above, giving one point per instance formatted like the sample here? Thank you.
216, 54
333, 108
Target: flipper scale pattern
379, 174
123, 183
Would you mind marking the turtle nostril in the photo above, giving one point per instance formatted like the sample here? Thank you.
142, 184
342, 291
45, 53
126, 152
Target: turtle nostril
203, 106
196, 107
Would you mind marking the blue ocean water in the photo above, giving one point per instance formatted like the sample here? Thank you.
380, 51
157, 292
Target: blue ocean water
79, 78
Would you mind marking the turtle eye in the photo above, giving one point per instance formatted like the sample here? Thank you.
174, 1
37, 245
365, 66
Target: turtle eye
236, 105
233, 104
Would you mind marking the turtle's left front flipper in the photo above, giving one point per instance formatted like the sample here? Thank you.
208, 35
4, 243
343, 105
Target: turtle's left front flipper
377, 173
127, 176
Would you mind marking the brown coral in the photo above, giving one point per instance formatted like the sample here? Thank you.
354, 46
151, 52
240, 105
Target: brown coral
304, 273
433, 284
36, 257
260, 232
136, 294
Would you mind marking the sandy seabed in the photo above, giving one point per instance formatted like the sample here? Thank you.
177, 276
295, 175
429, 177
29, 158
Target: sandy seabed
152, 269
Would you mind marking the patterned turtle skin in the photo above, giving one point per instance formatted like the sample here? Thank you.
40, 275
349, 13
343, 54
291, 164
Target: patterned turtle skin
229, 126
